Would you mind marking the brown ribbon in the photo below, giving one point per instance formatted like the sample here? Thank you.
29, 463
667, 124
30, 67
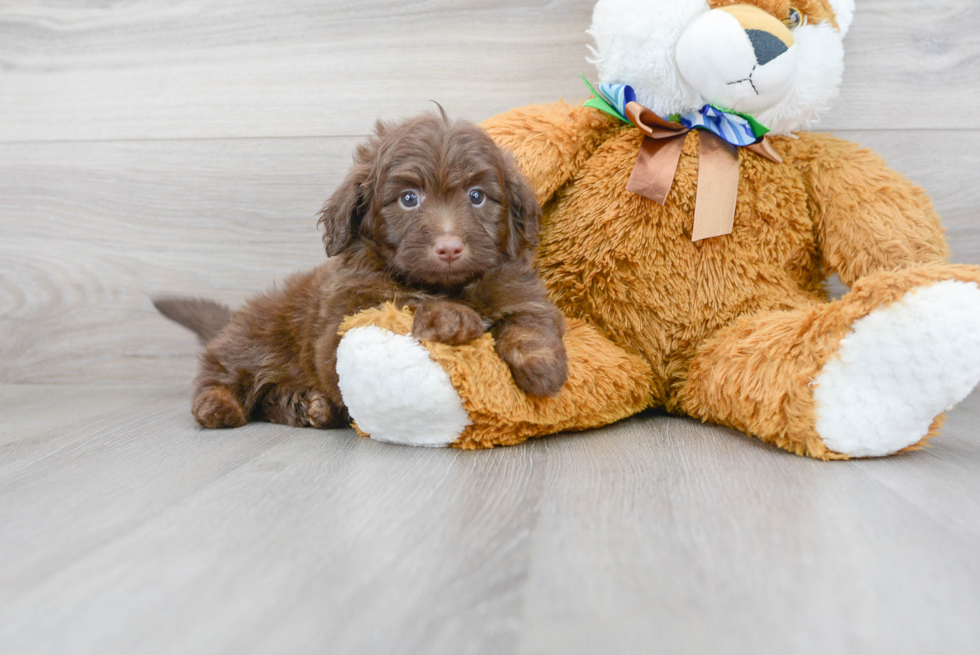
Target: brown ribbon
656, 165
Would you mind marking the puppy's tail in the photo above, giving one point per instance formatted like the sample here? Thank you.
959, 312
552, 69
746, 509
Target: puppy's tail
205, 318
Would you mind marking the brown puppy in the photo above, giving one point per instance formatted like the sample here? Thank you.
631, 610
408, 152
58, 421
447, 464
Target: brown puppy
433, 215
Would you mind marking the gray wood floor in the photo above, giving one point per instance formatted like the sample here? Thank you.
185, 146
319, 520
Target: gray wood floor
126, 529
152, 147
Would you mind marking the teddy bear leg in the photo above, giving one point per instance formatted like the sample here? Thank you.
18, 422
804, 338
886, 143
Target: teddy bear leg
403, 390
865, 376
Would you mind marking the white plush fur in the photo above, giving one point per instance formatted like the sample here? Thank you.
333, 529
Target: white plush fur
395, 392
818, 80
715, 50
636, 43
900, 367
844, 12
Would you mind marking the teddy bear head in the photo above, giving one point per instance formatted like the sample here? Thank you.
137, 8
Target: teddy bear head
779, 60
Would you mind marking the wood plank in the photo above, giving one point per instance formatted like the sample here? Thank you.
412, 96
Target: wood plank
709, 542
908, 65
950, 469
82, 464
343, 527
30, 409
90, 231
302, 68
204, 69
137, 532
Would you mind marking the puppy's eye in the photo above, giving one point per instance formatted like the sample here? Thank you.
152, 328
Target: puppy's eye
409, 200
477, 197
794, 19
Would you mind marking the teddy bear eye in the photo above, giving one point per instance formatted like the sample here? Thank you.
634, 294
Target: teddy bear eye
409, 200
794, 19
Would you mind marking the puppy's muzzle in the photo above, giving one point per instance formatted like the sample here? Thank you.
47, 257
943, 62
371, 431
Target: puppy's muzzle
449, 249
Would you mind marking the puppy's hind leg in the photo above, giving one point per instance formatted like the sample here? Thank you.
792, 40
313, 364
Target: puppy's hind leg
217, 407
216, 403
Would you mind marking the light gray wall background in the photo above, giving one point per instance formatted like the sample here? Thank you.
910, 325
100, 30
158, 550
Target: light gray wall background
185, 147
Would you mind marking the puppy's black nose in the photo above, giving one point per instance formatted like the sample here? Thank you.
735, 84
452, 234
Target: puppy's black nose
449, 249
766, 46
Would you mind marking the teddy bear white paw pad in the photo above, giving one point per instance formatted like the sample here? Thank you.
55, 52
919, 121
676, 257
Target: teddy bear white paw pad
395, 392
901, 366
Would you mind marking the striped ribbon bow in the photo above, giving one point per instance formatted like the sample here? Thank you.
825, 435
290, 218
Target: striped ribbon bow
722, 133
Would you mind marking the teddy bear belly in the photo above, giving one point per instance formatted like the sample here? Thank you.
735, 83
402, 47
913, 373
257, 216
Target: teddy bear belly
628, 266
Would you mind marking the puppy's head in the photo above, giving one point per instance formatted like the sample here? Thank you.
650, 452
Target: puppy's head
438, 201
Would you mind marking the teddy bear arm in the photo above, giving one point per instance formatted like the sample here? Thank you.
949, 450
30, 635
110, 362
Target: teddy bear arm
550, 142
403, 390
867, 217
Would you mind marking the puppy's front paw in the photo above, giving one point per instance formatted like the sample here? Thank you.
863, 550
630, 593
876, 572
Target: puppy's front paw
537, 360
447, 322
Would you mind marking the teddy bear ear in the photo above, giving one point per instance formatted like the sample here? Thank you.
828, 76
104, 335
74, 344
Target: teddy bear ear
844, 12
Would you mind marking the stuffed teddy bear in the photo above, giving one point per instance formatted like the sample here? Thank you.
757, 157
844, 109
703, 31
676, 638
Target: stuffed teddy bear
688, 227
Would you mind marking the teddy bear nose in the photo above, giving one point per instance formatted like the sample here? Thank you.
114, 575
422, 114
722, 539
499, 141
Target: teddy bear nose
449, 249
766, 46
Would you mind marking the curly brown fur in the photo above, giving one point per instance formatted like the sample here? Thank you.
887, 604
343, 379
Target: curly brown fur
432, 216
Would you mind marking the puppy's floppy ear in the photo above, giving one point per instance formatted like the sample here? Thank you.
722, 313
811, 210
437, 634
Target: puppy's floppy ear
343, 212
523, 208
341, 215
